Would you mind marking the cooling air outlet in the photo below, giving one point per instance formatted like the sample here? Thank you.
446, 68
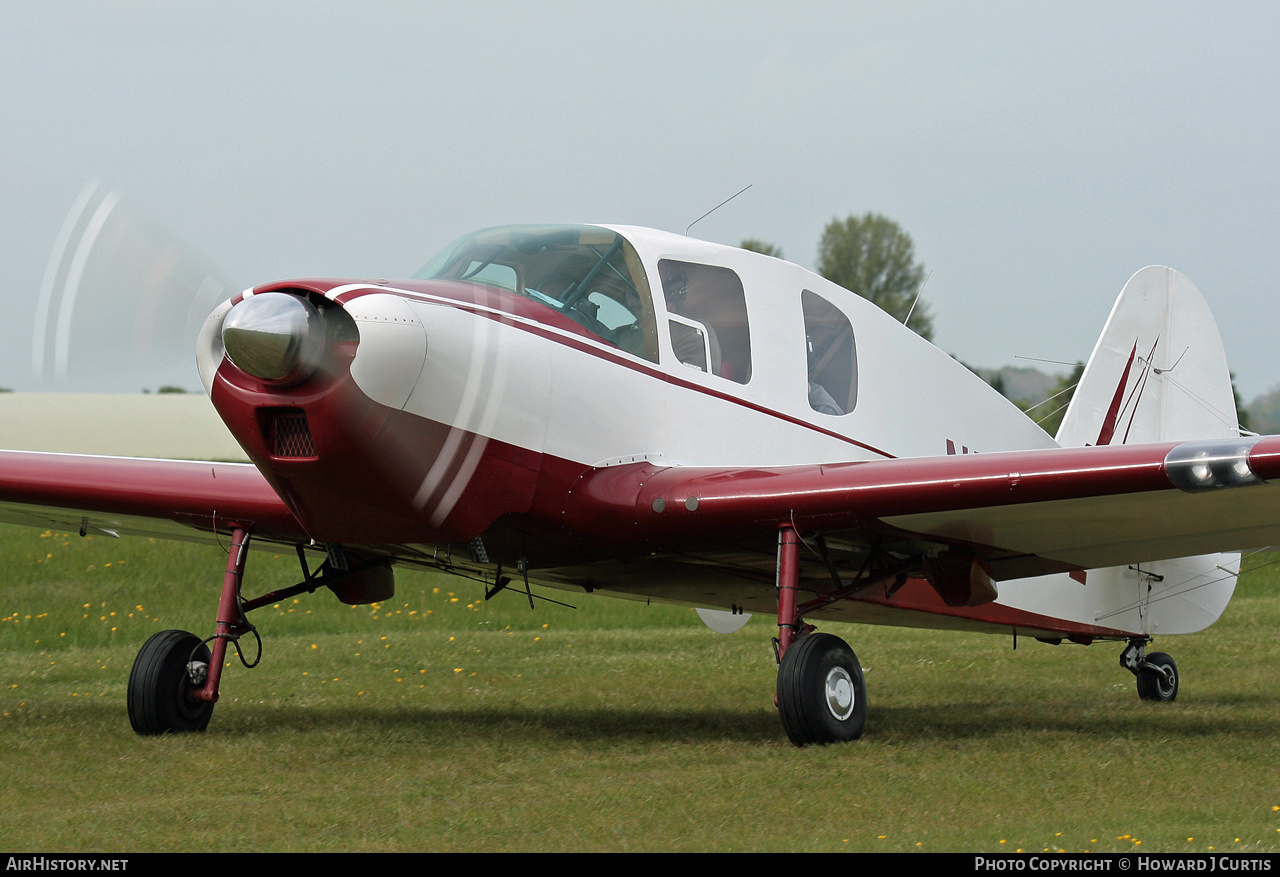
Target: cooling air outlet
290, 436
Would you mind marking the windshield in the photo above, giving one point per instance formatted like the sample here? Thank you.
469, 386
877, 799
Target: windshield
591, 275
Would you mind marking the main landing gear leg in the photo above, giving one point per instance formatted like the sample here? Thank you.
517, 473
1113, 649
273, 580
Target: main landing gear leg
821, 695
1157, 674
174, 682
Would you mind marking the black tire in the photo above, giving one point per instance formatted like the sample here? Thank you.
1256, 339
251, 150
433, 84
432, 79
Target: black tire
159, 685
822, 696
1155, 685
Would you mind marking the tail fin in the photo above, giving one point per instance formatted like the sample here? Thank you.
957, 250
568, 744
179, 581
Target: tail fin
1157, 373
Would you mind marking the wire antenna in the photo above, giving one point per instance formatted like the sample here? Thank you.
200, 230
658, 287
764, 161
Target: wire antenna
717, 207
919, 292
1054, 361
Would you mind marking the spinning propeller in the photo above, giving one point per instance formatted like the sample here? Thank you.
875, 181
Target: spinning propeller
122, 299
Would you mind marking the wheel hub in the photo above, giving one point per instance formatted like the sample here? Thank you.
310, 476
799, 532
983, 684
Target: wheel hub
839, 692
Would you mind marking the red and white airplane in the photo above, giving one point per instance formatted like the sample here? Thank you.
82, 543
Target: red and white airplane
638, 413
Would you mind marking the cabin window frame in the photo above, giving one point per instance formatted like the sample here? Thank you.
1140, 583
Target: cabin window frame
707, 318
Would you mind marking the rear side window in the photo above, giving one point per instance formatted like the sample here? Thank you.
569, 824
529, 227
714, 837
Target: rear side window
707, 318
832, 356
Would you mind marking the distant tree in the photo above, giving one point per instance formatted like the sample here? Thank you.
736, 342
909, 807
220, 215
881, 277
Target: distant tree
170, 388
992, 376
1242, 413
759, 246
872, 256
5, 390
997, 384
1264, 413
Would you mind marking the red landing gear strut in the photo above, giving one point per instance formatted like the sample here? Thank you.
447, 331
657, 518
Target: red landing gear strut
821, 695
174, 682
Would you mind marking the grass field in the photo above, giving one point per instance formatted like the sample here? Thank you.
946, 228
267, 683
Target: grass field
439, 722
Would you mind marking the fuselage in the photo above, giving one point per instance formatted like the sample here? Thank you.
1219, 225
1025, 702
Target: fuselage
452, 384
466, 406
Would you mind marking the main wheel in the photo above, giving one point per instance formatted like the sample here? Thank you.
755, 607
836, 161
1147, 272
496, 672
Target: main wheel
822, 696
1161, 682
160, 686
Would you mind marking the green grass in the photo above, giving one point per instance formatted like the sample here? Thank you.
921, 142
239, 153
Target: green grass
437, 721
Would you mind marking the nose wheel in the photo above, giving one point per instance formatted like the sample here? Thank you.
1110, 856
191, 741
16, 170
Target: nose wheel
169, 670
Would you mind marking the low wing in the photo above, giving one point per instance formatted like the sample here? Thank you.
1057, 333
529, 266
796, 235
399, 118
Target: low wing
117, 495
1024, 513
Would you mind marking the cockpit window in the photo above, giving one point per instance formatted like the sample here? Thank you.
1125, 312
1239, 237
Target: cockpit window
591, 275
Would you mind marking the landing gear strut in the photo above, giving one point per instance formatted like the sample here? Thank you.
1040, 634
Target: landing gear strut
1157, 674
821, 694
174, 682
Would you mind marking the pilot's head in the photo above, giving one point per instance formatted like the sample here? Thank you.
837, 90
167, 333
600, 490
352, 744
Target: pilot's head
675, 284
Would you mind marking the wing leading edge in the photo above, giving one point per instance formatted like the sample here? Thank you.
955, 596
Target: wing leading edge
116, 495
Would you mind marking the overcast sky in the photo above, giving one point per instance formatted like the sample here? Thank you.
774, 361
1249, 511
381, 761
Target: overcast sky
1038, 154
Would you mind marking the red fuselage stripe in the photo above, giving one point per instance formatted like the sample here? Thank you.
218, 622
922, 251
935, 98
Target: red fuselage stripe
593, 349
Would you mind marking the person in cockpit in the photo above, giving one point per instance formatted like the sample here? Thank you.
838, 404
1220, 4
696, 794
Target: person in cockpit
694, 341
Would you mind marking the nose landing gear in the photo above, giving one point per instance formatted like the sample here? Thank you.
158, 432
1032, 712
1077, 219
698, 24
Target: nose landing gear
174, 682
168, 672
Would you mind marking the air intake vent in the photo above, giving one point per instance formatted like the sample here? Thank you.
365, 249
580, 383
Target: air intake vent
290, 436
